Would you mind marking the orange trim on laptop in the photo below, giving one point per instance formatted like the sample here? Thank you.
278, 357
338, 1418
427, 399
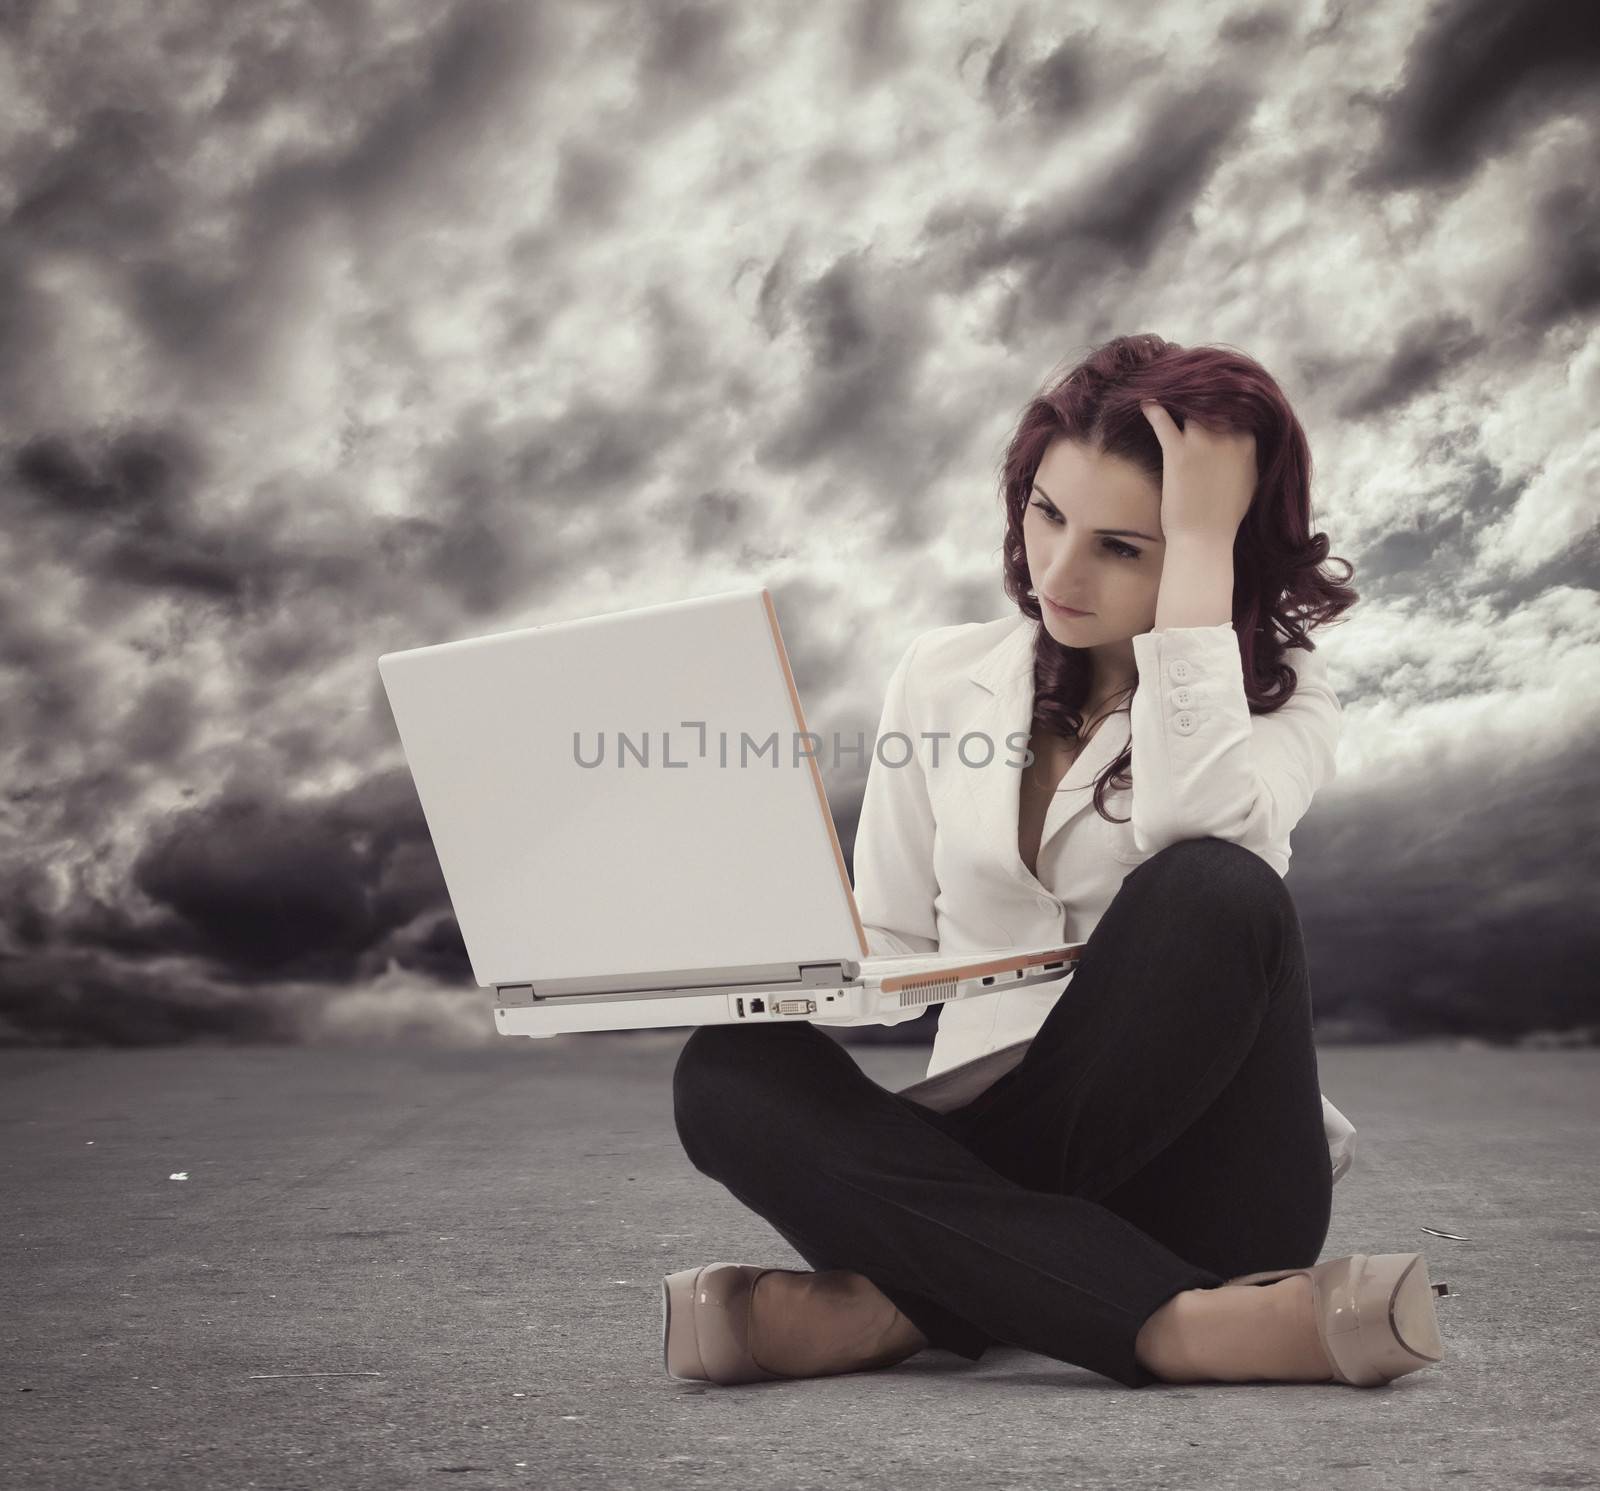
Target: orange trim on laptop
816, 775
896, 982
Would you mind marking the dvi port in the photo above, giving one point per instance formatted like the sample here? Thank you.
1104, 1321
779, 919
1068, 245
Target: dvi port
796, 1006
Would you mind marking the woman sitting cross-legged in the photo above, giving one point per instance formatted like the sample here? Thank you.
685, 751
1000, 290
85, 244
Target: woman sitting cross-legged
1130, 1169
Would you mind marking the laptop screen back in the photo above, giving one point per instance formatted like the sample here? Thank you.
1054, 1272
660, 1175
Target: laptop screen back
587, 826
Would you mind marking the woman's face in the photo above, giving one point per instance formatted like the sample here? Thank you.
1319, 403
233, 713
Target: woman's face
1115, 577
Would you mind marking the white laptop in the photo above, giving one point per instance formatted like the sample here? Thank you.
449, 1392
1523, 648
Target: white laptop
630, 817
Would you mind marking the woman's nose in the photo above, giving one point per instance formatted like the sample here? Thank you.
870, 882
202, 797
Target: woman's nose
1061, 570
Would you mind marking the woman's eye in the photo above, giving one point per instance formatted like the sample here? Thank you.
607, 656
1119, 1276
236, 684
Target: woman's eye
1121, 550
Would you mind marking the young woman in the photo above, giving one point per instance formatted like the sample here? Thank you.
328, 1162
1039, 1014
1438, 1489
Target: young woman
1131, 1170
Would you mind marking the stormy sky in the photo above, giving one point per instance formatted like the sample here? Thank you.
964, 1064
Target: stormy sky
327, 331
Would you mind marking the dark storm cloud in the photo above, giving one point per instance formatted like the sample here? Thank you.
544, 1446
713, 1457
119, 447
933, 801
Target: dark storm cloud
1062, 85
776, 289
1248, 27
591, 184
399, 120
1424, 353
259, 886
53, 998
1048, 89
72, 807
1130, 207
146, 479
25, 902
49, 685
1431, 555
1479, 75
452, 87
865, 343
161, 725
1576, 567
468, 542
1411, 557
1480, 78
875, 38
706, 522
296, 905
135, 511
1562, 275
127, 512
1473, 931
1110, 224
267, 67
112, 180
24, 322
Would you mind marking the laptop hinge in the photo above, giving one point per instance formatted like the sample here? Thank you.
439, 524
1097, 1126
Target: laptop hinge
828, 974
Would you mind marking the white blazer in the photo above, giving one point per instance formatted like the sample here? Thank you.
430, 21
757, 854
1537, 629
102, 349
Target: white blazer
937, 867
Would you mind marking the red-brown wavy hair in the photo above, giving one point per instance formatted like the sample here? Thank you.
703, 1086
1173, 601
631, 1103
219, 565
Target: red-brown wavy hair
1280, 589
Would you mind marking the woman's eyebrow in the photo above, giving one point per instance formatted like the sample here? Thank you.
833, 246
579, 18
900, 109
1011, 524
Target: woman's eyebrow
1115, 532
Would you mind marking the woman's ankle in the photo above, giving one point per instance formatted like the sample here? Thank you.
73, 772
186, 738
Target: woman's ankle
895, 1337
1168, 1342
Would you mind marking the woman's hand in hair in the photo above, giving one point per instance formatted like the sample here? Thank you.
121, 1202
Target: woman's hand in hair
1207, 478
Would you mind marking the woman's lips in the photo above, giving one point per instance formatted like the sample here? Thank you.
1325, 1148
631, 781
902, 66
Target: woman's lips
1061, 610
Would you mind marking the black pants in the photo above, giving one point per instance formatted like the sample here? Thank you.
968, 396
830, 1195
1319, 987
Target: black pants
1163, 1132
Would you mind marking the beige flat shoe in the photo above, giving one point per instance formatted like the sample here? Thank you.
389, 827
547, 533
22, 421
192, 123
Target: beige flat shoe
1374, 1314
705, 1324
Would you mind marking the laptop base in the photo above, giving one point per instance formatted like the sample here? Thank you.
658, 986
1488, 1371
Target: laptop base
853, 1003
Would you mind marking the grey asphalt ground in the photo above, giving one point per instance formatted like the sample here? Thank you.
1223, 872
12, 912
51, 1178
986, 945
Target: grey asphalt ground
473, 1241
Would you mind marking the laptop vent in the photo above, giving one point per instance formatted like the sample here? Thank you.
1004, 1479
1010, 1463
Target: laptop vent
928, 993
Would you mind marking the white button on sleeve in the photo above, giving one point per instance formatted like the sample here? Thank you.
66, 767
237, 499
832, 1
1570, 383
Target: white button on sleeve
1204, 765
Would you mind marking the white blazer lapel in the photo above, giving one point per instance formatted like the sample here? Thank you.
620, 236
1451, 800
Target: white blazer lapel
1076, 793
1005, 673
